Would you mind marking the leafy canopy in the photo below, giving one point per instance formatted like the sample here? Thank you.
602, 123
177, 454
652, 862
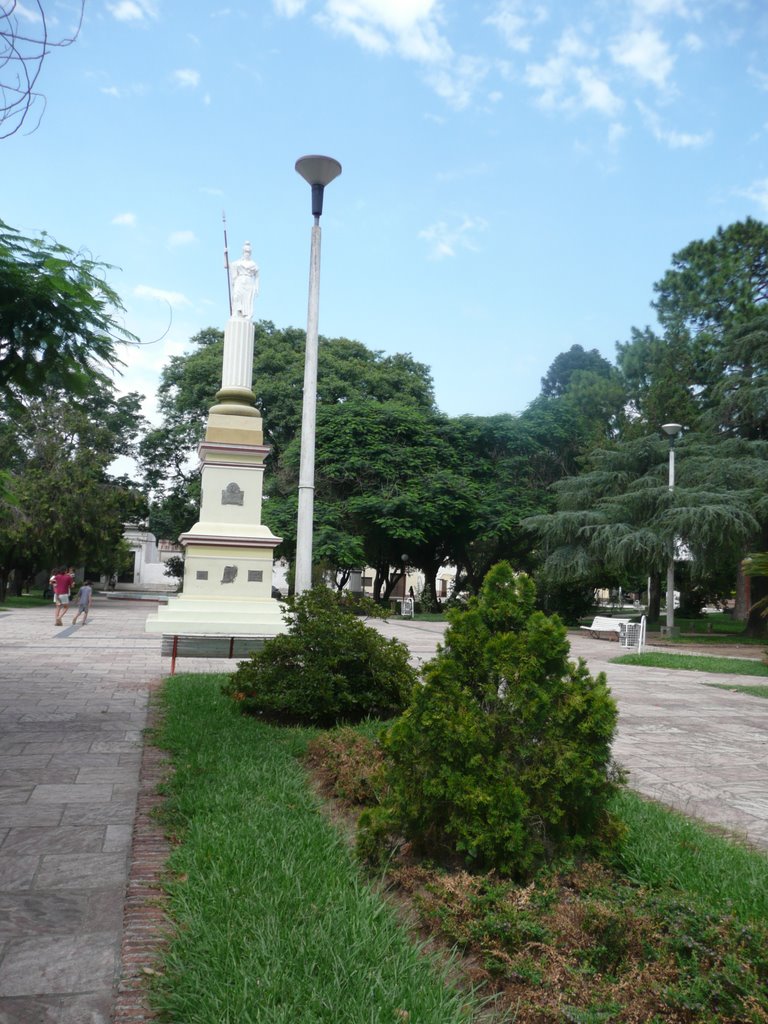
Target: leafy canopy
58, 318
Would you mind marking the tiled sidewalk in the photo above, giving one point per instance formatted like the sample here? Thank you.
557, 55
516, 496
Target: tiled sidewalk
72, 708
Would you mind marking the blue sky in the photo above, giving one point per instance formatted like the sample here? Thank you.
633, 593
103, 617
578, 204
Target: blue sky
516, 175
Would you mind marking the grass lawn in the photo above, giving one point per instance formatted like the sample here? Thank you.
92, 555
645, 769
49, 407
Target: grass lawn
276, 923
696, 663
26, 601
753, 691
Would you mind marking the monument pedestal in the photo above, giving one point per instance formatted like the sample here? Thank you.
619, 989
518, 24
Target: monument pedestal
228, 553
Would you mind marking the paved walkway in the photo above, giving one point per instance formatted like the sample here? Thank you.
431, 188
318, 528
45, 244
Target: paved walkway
73, 703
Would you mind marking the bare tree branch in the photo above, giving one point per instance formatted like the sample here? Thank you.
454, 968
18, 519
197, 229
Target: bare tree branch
25, 41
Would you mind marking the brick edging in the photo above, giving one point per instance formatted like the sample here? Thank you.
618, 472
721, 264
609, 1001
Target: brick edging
145, 922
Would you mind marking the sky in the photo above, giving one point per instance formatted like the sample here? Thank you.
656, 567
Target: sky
516, 175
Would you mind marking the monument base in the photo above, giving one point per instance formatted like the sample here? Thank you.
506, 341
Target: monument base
217, 616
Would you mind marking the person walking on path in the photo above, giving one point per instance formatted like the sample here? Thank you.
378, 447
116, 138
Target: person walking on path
84, 599
62, 584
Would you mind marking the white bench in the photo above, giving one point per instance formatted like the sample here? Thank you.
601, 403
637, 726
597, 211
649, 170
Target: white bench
605, 624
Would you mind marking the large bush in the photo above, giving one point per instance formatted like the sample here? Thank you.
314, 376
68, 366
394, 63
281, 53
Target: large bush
503, 758
328, 668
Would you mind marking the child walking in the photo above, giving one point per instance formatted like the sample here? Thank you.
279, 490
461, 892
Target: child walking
84, 598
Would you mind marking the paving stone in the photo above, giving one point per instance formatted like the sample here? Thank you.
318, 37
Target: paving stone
16, 873
80, 870
26, 840
15, 794
88, 793
23, 914
60, 965
28, 814
116, 813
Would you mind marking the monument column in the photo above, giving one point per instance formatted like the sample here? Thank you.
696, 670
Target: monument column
228, 553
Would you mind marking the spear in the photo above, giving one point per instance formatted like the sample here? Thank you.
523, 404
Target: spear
226, 261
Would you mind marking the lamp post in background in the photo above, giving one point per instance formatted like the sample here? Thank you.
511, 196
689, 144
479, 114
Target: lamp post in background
671, 430
317, 171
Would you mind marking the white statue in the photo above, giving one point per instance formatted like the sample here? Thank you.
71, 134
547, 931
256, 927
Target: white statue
245, 284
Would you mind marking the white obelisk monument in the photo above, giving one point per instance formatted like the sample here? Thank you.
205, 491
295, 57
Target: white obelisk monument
228, 553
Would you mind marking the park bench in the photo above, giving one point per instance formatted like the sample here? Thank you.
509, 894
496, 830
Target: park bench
191, 645
603, 624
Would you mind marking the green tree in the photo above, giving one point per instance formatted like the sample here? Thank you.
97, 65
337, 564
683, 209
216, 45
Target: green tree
708, 368
503, 756
560, 375
58, 319
385, 483
350, 376
62, 505
619, 517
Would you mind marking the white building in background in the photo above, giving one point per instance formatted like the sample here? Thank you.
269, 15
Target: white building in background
361, 582
146, 572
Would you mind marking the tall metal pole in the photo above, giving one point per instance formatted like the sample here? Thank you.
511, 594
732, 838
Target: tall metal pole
671, 430
317, 171
305, 520
671, 563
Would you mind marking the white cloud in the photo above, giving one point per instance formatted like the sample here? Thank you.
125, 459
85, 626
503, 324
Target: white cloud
177, 238
596, 94
186, 78
616, 133
569, 81
514, 19
136, 89
760, 78
757, 192
462, 173
457, 82
445, 240
407, 27
644, 52
659, 8
693, 42
144, 291
289, 8
126, 220
22, 11
132, 10
669, 136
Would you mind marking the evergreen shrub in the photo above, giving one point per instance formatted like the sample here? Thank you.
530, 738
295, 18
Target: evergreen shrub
329, 667
503, 758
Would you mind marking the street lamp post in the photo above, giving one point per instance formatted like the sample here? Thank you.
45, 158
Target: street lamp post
671, 430
317, 171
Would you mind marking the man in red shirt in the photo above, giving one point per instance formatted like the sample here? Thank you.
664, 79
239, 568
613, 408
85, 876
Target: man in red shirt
62, 584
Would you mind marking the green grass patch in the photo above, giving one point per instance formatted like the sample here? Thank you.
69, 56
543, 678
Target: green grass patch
696, 663
26, 601
665, 850
720, 625
753, 691
722, 639
273, 923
